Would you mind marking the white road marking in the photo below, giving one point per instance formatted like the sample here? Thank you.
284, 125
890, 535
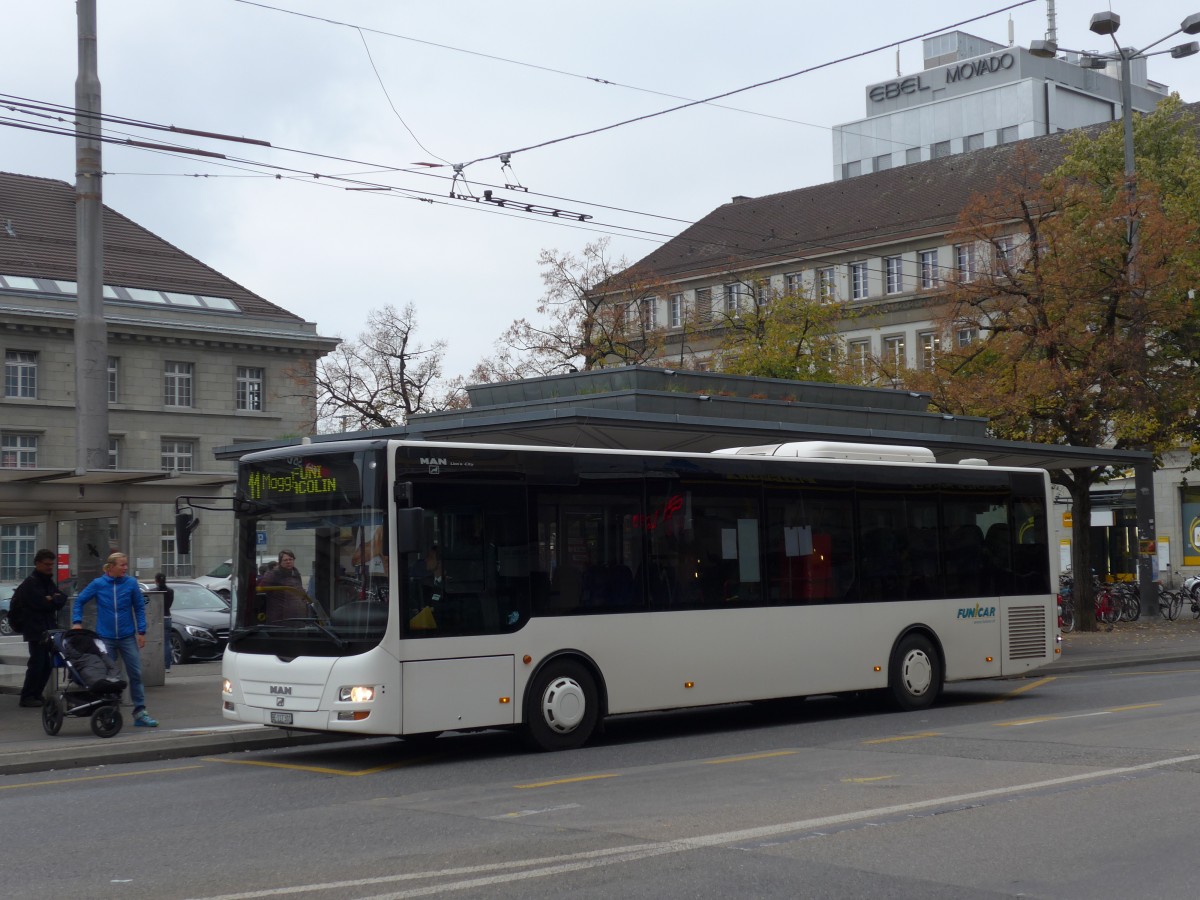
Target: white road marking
573, 862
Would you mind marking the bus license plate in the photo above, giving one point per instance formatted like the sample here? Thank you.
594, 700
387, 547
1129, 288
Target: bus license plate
278, 718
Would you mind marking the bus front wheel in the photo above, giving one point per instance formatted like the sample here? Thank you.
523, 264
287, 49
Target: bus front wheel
915, 674
562, 707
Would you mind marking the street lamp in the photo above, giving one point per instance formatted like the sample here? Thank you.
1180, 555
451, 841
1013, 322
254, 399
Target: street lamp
1107, 23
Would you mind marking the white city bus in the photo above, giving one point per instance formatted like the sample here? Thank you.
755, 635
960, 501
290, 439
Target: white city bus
454, 586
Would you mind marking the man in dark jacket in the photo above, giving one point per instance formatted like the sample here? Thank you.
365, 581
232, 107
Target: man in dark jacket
34, 610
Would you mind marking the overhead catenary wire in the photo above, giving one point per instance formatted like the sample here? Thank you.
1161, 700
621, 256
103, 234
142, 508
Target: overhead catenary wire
741, 90
795, 245
610, 82
344, 182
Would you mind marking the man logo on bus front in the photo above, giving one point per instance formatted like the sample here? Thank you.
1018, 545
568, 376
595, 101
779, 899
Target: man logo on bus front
279, 701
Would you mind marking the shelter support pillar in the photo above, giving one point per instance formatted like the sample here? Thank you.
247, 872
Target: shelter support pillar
1147, 530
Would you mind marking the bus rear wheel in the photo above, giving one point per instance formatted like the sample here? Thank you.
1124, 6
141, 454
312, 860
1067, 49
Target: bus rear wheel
562, 707
915, 673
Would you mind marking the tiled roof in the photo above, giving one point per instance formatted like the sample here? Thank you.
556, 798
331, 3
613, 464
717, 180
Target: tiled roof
37, 239
908, 201
864, 211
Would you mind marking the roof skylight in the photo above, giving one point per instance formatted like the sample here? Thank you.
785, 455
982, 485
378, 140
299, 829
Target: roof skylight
70, 290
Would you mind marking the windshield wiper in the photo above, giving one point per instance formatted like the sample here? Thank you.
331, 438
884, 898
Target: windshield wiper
283, 625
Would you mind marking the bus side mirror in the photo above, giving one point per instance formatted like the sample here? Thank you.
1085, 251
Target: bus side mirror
185, 524
410, 529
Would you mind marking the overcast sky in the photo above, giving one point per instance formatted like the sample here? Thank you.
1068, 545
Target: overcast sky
506, 76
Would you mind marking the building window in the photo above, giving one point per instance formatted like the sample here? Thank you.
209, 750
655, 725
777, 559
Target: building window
651, 312
250, 388
912, 155
940, 149
859, 289
931, 345
929, 269
18, 451
825, 283
114, 383
733, 298
114, 453
676, 310
20, 373
177, 384
762, 293
704, 304
177, 456
964, 337
894, 351
1007, 135
883, 162
892, 270
1002, 248
852, 169
964, 261
973, 142
18, 543
794, 284
174, 565
858, 355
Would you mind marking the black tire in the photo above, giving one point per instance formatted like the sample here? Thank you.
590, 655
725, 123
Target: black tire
5, 625
1068, 615
177, 653
52, 716
914, 673
107, 721
562, 707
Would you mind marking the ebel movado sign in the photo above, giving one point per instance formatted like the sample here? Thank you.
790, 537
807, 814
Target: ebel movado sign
952, 74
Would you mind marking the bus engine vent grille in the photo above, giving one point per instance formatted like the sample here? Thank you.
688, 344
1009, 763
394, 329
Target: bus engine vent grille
1027, 632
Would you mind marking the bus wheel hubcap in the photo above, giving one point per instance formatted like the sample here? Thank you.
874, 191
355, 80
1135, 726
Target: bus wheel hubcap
564, 704
918, 673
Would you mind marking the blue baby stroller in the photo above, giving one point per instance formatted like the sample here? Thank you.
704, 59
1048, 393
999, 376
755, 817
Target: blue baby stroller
86, 683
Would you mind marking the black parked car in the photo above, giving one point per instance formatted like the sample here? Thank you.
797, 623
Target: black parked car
200, 622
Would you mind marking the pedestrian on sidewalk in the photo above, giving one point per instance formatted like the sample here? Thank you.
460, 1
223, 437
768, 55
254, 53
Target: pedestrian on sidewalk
168, 595
34, 611
121, 624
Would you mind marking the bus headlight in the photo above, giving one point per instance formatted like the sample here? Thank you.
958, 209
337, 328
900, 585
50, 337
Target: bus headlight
359, 693
226, 686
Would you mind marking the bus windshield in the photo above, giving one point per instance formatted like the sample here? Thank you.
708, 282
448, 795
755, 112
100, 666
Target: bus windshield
321, 520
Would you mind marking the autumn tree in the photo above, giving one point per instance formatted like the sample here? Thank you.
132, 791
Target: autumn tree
593, 314
790, 335
1068, 333
384, 376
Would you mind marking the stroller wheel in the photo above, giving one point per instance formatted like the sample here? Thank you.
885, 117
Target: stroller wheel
52, 716
106, 721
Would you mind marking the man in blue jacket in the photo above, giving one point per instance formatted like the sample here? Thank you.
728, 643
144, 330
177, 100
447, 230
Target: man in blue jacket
121, 624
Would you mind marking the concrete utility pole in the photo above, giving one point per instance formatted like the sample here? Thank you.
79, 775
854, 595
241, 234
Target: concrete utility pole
91, 335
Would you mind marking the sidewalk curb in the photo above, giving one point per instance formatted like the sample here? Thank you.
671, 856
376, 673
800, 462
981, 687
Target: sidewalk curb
1094, 664
74, 754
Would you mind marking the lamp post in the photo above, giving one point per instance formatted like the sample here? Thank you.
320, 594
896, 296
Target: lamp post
1107, 23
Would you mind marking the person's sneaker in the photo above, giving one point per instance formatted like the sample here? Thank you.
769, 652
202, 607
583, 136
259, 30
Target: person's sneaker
31, 702
142, 719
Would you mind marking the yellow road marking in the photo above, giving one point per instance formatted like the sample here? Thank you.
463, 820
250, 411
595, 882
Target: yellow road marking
29, 784
1103, 712
866, 780
320, 770
905, 737
540, 784
734, 759
1023, 689
1032, 721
